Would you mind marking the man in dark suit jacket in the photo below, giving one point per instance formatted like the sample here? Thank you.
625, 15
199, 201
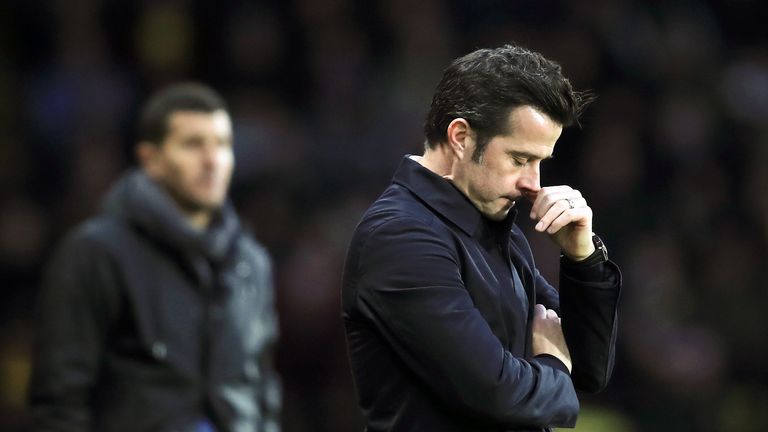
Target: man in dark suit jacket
450, 325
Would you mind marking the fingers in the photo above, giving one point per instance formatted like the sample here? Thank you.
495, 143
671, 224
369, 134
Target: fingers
562, 219
551, 314
559, 206
541, 312
550, 195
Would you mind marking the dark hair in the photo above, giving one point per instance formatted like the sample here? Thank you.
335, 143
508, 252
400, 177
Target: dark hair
190, 96
485, 85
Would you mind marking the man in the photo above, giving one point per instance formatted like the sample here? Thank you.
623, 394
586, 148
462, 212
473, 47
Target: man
157, 314
450, 325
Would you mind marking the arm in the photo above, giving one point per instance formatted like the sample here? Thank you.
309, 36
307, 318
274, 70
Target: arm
588, 303
410, 288
589, 296
270, 388
589, 290
70, 337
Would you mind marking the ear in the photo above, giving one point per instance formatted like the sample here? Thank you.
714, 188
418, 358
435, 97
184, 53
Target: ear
460, 137
148, 154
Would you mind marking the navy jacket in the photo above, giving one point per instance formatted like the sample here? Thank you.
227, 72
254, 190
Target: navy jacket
437, 304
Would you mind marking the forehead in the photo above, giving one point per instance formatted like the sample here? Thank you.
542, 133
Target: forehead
530, 131
199, 122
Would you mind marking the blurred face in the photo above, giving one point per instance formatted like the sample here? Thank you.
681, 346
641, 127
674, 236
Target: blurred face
195, 161
510, 166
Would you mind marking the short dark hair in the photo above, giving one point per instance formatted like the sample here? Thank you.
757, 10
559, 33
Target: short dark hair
188, 96
485, 85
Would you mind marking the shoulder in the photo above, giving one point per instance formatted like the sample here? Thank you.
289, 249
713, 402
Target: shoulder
98, 234
397, 205
398, 228
251, 250
399, 238
87, 259
398, 213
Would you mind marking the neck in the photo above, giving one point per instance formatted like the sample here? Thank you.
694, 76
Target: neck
439, 160
199, 219
197, 216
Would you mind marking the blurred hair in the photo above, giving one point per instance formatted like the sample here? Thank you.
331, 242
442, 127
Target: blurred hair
188, 96
484, 86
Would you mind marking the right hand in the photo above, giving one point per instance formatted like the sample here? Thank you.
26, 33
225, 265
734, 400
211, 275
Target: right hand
548, 335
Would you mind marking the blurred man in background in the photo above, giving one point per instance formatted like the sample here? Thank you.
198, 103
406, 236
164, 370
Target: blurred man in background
450, 325
157, 314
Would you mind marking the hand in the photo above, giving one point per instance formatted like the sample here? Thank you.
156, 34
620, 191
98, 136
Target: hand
548, 335
563, 213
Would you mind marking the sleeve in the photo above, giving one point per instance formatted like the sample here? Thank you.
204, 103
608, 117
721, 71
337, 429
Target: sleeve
71, 331
270, 387
410, 287
589, 297
587, 302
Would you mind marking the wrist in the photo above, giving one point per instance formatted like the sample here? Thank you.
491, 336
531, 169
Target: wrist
598, 254
582, 256
561, 363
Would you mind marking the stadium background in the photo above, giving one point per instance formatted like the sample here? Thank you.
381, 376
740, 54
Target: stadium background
327, 95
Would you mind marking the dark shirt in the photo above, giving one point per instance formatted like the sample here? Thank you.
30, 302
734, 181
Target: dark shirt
437, 305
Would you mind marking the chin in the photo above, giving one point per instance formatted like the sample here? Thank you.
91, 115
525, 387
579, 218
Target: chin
205, 203
213, 199
498, 216
213, 204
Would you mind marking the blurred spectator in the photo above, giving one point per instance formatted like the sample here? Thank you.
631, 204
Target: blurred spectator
157, 314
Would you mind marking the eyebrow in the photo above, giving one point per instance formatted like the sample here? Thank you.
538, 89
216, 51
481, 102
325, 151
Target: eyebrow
528, 155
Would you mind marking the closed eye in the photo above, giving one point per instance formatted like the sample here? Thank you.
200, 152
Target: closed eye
519, 162
520, 159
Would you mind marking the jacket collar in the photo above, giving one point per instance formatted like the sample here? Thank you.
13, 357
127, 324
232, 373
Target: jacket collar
445, 199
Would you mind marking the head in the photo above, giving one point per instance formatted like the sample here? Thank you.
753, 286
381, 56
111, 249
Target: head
500, 112
185, 144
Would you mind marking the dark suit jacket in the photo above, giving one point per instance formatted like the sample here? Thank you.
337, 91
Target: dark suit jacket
437, 304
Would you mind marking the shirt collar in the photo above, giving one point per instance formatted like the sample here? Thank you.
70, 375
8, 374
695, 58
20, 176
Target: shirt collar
444, 198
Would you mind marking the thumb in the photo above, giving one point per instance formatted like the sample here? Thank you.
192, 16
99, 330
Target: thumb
539, 311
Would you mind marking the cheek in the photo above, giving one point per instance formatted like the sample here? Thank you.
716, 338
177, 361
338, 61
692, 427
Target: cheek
510, 182
500, 181
227, 160
487, 185
181, 170
508, 177
184, 168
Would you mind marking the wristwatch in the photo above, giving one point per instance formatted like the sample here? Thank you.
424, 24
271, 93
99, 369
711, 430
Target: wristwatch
600, 247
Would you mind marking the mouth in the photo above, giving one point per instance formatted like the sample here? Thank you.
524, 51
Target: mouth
510, 201
208, 180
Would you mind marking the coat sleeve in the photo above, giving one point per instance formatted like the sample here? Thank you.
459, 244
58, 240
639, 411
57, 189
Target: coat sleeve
410, 288
270, 387
587, 303
71, 330
589, 296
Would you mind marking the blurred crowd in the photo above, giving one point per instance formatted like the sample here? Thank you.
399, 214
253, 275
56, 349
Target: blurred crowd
328, 95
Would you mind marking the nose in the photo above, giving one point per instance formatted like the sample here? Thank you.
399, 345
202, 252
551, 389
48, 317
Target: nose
210, 155
529, 181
